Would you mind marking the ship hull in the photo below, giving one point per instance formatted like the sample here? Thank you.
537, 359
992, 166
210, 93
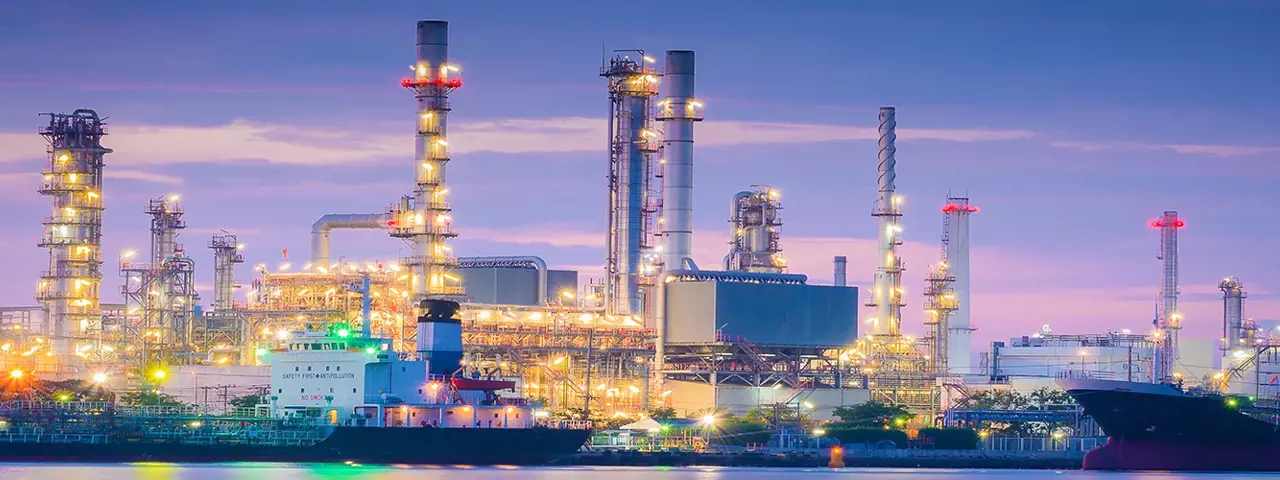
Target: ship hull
1157, 427
439, 446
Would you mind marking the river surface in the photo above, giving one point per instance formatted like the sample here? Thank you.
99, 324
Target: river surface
161, 471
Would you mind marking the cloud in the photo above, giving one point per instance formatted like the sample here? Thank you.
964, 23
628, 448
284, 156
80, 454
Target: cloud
574, 134
223, 231
1211, 150
141, 176
247, 140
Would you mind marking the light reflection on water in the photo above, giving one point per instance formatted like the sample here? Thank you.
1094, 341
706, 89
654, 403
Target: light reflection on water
276, 471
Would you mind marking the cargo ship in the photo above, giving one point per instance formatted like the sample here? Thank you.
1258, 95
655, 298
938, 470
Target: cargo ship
335, 396
1159, 426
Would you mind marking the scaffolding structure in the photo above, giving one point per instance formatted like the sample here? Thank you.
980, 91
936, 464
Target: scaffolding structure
753, 237
940, 304
887, 295
1169, 321
424, 219
69, 289
224, 330
567, 357
738, 361
160, 295
632, 263
898, 371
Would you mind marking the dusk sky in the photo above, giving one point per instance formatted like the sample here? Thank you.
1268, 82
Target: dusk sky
1071, 124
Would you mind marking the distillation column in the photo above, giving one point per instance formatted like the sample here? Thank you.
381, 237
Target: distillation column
1233, 325
1169, 321
226, 324
631, 262
956, 262
754, 240
678, 113
424, 218
887, 289
69, 290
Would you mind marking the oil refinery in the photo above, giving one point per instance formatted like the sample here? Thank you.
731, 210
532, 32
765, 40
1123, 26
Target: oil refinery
657, 330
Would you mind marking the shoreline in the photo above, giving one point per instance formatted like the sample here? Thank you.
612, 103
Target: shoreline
899, 459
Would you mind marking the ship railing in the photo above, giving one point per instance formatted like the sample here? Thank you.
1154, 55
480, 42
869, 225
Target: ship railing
564, 424
20, 437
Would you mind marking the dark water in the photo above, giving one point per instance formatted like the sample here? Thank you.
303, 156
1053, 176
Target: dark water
161, 471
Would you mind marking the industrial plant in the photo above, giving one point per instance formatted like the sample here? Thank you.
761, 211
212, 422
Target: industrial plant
658, 330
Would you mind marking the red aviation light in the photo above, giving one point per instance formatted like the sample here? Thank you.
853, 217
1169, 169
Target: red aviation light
442, 82
952, 207
1160, 223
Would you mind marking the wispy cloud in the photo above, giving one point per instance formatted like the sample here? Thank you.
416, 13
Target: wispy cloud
246, 140
141, 176
1188, 149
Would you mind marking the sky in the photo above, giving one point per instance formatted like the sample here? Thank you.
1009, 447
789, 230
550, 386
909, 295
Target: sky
1071, 124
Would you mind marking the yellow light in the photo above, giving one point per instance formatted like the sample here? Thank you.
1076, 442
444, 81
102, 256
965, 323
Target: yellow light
63, 158
174, 197
159, 374
99, 378
15, 373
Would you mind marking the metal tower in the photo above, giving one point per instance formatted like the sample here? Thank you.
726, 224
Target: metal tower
424, 218
753, 236
160, 296
955, 259
1169, 320
224, 329
940, 306
69, 290
631, 262
1233, 324
678, 112
887, 290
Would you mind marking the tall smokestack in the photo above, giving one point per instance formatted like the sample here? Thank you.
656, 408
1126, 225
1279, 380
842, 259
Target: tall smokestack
679, 112
887, 293
842, 267
425, 217
1169, 321
956, 255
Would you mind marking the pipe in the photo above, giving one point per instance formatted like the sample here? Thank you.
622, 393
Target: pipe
956, 255
678, 116
1232, 313
521, 261
1170, 321
320, 230
737, 277
842, 267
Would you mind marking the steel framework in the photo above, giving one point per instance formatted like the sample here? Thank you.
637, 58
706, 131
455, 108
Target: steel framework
1169, 321
224, 331
69, 289
631, 262
160, 295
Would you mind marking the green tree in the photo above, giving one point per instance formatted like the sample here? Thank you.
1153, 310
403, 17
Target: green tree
872, 413
661, 412
248, 401
149, 397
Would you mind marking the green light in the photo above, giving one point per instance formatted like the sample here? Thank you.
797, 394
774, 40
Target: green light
261, 351
344, 333
1231, 402
64, 397
1251, 398
370, 350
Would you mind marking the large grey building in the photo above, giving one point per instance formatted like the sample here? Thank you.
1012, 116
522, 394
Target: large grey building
515, 281
761, 308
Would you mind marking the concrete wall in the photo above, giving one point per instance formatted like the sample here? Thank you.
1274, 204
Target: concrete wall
699, 397
762, 313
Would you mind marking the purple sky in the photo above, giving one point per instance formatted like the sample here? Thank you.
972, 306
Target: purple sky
1071, 124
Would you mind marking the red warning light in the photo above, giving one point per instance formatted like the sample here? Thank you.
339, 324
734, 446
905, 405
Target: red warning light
952, 207
1160, 224
441, 82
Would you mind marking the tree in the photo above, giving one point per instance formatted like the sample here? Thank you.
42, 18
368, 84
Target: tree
661, 412
872, 413
248, 401
1040, 399
150, 397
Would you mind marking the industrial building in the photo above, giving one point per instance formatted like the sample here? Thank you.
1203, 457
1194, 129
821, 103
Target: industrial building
657, 330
